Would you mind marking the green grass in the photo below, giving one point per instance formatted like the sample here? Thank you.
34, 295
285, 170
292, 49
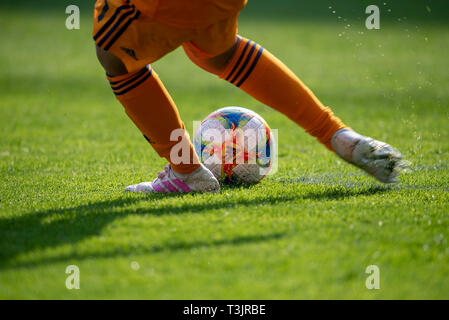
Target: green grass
67, 150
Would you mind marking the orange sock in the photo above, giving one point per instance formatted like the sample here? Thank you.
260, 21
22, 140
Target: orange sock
150, 107
257, 72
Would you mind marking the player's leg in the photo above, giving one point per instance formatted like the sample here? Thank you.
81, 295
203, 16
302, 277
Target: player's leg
256, 71
149, 106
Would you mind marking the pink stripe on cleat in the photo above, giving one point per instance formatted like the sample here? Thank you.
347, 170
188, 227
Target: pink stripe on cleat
159, 188
170, 187
181, 185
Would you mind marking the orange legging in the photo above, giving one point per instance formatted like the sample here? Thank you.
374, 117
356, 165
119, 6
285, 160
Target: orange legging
260, 74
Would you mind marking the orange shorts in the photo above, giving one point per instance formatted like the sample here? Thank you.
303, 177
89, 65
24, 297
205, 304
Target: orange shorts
140, 32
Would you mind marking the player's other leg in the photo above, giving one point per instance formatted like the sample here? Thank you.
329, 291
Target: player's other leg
151, 108
256, 71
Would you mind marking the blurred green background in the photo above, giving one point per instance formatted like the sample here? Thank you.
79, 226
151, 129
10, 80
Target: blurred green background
67, 150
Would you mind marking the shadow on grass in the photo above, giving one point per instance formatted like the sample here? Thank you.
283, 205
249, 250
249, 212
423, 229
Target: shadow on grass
54, 227
138, 250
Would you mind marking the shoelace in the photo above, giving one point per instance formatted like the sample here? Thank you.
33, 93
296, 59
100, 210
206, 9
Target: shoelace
161, 175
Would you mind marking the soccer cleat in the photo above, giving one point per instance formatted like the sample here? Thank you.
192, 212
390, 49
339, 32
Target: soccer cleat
168, 181
377, 158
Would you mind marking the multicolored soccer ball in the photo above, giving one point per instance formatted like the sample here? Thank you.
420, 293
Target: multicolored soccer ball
236, 144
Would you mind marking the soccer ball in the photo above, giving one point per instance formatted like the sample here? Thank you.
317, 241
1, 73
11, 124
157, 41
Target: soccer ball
236, 144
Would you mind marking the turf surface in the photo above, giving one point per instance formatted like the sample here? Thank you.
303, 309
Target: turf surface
67, 150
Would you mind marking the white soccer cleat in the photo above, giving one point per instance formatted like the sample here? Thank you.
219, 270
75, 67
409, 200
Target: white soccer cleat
168, 181
377, 158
